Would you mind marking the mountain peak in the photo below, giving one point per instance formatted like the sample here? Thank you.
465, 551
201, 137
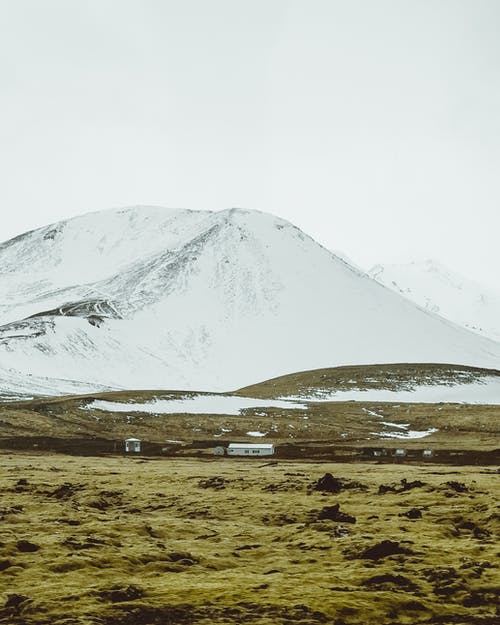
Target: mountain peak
146, 297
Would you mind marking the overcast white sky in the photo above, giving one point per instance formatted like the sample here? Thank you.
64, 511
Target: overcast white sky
374, 125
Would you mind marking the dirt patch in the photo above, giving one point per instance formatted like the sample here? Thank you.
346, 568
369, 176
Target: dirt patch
66, 490
118, 594
244, 612
384, 549
333, 513
458, 487
216, 482
402, 487
414, 513
76, 544
389, 582
330, 484
14, 606
25, 546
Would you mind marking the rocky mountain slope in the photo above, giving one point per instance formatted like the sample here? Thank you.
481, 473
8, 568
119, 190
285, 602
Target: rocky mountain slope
444, 292
148, 297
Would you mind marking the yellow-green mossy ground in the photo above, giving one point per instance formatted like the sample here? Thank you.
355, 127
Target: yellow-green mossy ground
136, 541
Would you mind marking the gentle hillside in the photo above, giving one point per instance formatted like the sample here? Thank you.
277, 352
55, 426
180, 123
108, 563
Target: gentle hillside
157, 298
397, 382
302, 408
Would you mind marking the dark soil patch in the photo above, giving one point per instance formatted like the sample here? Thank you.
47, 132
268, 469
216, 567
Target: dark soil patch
384, 549
216, 482
182, 557
6, 564
447, 581
389, 582
477, 532
14, 602
403, 487
284, 486
25, 546
66, 490
280, 519
483, 598
87, 543
118, 594
137, 614
21, 485
330, 484
333, 513
458, 487
11, 510
414, 513
247, 547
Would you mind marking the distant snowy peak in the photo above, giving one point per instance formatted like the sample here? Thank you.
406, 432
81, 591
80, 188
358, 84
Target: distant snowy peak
435, 287
433, 269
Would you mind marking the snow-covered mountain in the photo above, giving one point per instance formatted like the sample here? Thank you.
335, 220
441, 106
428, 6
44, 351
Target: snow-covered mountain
148, 297
444, 292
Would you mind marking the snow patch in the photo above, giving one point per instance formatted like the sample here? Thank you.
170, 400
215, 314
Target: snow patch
407, 434
198, 404
485, 390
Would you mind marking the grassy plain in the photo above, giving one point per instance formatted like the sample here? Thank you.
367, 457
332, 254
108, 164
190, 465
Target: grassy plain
144, 541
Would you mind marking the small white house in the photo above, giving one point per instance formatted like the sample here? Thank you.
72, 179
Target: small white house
250, 449
133, 445
399, 453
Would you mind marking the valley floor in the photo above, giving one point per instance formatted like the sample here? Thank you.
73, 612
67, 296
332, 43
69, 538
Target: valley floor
131, 541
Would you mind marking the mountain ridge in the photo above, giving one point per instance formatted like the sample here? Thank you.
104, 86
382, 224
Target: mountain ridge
146, 297
435, 287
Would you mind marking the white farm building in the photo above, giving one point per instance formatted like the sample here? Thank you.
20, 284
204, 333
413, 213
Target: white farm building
132, 445
250, 449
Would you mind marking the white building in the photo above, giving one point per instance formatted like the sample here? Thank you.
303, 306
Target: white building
399, 453
250, 449
133, 445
